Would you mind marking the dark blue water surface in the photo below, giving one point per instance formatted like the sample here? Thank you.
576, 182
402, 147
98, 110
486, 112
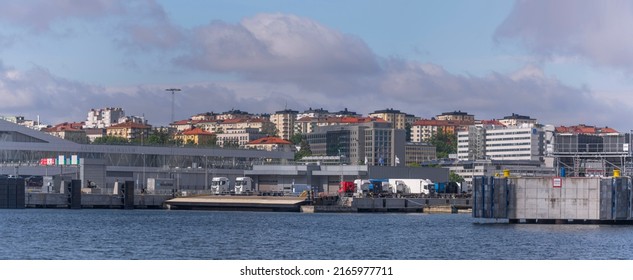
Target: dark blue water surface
161, 234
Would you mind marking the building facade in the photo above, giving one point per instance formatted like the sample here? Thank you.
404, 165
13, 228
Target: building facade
284, 123
238, 137
371, 143
102, 118
129, 130
456, 116
396, 118
525, 142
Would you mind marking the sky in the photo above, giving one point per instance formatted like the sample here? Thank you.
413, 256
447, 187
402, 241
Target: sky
563, 62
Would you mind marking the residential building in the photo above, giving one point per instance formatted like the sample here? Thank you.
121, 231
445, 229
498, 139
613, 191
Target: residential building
416, 153
195, 136
68, 131
233, 114
239, 136
423, 130
396, 118
315, 113
129, 130
221, 126
346, 113
102, 118
94, 133
456, 116
516, 120
183, 125
271, 144
208, 116
284, 123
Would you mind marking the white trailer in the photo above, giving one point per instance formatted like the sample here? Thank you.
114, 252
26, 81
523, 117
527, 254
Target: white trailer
411, 186
244, 185
220, 185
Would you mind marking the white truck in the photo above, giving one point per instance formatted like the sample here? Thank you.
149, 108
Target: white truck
220, 185
411, 187
244, 185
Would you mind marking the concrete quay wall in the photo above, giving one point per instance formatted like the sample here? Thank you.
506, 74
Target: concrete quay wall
554, 199
56, 200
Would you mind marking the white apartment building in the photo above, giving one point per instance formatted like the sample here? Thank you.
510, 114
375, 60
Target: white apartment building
103, 118
495, 142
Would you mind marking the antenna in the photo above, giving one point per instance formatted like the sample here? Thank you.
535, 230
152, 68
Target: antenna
173, 92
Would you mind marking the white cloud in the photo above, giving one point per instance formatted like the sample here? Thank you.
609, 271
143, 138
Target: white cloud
600, 32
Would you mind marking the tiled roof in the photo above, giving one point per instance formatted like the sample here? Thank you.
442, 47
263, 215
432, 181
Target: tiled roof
491, 122
584, 129
130, 125
195, 131
440, 123
269, 140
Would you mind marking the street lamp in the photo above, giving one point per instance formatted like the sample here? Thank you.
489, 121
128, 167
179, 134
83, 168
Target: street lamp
173, 93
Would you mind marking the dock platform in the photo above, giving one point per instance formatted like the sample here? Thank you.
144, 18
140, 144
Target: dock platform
242, 203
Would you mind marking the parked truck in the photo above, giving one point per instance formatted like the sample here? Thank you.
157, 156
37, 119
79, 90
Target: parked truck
447, 188
244, 186
347, 188
411, 187
220, 185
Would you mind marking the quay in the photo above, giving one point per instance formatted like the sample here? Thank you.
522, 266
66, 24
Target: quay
13, 195
554, 200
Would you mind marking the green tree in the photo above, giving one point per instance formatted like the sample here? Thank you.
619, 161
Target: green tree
407, 128
445, 143
297, 138
454, 177
304, 150
158, 138
414, 164
111, 140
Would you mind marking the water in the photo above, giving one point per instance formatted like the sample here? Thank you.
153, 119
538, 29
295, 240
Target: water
191, 235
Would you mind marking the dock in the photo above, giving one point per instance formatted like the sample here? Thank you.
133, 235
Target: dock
241, 203
554, 200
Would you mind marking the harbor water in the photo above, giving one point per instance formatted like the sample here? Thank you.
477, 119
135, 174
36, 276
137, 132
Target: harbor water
208, 235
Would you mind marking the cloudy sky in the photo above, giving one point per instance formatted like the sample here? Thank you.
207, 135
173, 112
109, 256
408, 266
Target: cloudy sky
563, 62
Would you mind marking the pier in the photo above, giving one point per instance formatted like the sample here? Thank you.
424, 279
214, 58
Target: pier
555, 200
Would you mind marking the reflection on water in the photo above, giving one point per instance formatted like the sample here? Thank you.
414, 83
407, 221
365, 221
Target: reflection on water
159, 234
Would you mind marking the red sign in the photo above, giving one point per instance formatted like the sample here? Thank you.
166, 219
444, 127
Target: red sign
557, 182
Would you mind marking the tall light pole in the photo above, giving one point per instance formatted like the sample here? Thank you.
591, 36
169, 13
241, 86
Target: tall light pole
173, 93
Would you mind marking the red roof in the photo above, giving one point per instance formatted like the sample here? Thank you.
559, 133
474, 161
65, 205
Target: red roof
184, 122
492, 122
196, 131
441, 123
584, 129
74, 126
130, 125
270, 140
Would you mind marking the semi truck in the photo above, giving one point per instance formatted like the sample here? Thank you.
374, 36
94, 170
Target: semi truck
244, 185
220, 185
411, 187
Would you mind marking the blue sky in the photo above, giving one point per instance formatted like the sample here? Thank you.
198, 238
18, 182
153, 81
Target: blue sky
563, 62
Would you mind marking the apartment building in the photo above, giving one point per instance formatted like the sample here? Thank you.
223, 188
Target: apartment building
102, 118
284, 122
239, 136
129, 130
517, 120
423, 130
396, 118
195, 136
456, 116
